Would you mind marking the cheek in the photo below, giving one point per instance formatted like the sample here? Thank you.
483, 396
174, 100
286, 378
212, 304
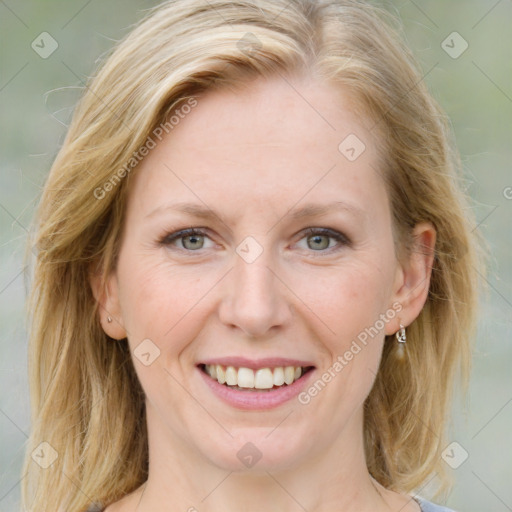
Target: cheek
355, 298
347, 299
162, 302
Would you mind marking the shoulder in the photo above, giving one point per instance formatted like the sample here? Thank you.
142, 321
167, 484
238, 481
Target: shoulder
95, 507
428, 506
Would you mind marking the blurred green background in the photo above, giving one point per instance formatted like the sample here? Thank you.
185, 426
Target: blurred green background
36, 99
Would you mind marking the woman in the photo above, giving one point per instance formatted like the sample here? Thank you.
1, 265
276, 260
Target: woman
256, 275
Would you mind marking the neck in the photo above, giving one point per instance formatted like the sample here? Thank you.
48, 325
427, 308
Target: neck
180, 478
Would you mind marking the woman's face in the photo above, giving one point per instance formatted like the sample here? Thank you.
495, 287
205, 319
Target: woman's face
293, 265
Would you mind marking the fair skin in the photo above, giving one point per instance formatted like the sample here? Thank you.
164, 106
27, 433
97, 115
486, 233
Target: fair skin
254, 158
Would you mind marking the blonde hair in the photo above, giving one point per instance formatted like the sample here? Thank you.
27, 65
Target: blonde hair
86, 400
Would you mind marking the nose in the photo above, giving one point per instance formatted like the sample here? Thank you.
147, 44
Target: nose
255, 300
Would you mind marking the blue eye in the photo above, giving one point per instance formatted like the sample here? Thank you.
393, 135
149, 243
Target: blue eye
318, 239
191, 239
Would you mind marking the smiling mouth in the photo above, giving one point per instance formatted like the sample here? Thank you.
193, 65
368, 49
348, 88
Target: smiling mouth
262, 379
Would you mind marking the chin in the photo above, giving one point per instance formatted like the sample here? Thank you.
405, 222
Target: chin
253, 450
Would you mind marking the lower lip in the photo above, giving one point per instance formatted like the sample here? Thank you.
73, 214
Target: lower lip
257, 400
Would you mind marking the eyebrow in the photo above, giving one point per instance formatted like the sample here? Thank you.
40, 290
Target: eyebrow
306, 211
316, 210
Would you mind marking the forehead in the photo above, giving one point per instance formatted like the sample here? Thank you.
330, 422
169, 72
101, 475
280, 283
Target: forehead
273, 142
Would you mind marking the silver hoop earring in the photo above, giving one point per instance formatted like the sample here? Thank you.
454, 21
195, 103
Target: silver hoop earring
109, 319
402, 339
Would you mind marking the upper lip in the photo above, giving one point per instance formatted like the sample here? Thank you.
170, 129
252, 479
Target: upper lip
255, 364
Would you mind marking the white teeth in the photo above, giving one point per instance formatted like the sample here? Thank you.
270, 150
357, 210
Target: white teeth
221, 375
278, 376
289, 374
231, 376
245, 378
263, 378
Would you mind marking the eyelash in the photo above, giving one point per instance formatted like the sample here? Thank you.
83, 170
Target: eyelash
342, 239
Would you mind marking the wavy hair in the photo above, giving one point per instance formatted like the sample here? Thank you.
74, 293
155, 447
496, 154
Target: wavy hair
86, 400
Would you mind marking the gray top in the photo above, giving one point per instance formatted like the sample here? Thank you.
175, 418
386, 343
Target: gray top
426, 506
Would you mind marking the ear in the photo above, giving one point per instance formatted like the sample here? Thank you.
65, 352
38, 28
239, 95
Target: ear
106, 293
412, 280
